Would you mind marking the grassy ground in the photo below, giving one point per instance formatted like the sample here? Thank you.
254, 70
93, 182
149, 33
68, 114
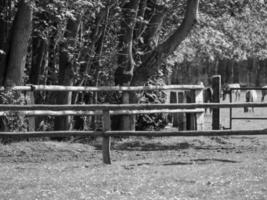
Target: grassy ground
142, 168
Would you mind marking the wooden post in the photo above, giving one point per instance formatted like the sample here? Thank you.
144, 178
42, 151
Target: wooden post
174, 116
31, 120
181, 116
216, 86
190, 117
106, 139
128, 120
199, 116
231, 115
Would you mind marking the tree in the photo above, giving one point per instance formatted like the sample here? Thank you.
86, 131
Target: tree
14, 48
13, 69
152, 53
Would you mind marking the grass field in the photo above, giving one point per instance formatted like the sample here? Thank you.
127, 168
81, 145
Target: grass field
142, 168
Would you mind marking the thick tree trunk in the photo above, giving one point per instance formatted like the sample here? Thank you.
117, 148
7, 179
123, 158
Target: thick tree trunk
66, 71
13, 62
3, 47
39, 50
20, 34
3, 38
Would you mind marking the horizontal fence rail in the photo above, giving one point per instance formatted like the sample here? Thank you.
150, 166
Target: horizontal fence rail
249, 88
86, 113
132, 133
94, 107
101, 88
249, 118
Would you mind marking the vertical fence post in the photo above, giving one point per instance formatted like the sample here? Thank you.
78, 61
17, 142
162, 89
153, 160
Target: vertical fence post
31, 120
216, 86
181, 116
106, 139
231, 112
173, 99
199, 116
128, 120
191, 117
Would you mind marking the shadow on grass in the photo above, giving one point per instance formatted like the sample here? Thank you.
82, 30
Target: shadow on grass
202, 161
146, 146
158, 146
153, 146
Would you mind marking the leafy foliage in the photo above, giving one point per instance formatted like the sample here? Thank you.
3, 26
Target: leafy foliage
13, 120
151, 121
226, 29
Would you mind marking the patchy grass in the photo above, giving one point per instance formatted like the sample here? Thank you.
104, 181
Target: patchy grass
159, 168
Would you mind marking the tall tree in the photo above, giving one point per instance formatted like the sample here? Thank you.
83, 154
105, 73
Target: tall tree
18, 43
127, 72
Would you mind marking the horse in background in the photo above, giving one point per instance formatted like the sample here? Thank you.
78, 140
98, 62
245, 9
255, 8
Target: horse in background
251, 96
208, 96
227, 90
263, 92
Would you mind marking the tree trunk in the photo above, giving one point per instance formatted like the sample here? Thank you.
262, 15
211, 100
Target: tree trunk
3, 38
13, 63
39, 50
20, 34
124, 72
3, 48
66, 71
152, 61
236, 72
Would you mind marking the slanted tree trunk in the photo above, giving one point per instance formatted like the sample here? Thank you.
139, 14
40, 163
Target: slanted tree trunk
18, 43
66, 71
151, 62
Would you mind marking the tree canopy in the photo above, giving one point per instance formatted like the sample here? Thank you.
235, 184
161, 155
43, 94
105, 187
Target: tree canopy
233, 29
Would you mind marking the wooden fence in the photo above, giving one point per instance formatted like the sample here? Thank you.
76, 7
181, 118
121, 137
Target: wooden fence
231, 118
106, 110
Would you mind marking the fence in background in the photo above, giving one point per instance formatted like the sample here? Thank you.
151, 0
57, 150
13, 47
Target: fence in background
231, 118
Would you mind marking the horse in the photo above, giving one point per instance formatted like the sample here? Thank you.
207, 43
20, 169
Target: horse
251, 96
263, 92
227, 89
207, 96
